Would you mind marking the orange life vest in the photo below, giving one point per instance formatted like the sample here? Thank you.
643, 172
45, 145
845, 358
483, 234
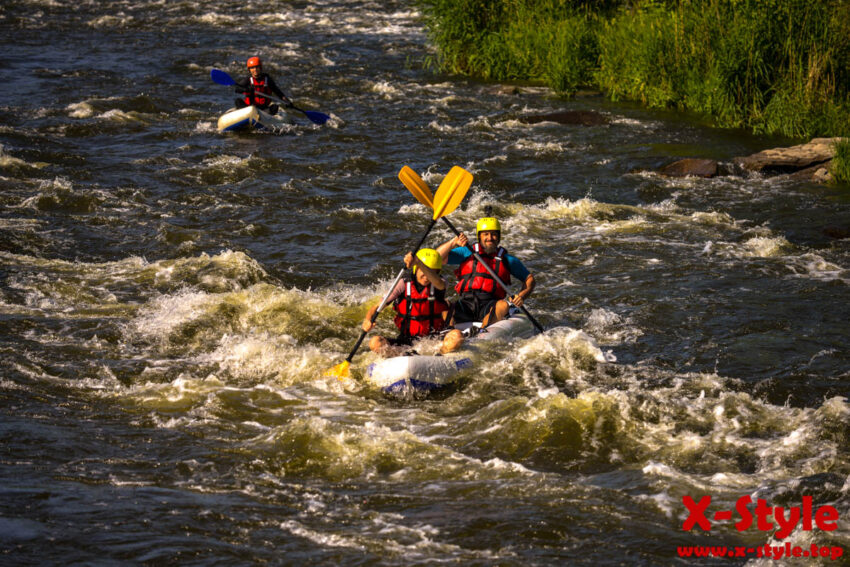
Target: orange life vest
420, 310
472, 276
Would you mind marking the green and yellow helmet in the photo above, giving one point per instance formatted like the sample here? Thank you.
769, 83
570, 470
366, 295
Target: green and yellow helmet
488, 223
430, 258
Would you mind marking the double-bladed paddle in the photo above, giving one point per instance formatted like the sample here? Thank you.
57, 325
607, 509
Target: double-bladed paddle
422, 192
449, 195
223, 78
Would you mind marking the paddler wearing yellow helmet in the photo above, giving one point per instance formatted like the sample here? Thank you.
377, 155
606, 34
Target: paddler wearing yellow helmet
419, 301
480, 297
255, 85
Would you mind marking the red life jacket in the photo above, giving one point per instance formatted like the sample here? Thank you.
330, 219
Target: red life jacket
472, 276
260, 85
420, 310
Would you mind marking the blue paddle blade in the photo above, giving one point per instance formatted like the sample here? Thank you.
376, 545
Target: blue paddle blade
316, 117
221, 77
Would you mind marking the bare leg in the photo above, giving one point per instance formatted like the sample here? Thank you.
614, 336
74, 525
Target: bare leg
379, 344
452, 341
502, 309
382, 346
499, 312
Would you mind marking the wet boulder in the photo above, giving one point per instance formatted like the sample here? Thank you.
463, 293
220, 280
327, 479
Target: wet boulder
776, 161
690, 167
819, 173
506, 90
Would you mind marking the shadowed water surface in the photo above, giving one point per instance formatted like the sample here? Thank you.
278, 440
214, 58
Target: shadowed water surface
170, 298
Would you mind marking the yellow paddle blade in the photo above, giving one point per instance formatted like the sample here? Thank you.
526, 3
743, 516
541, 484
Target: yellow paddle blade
452, 191
339, 371
417, 186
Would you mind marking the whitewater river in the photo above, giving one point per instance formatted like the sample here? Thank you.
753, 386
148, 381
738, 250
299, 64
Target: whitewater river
170, 298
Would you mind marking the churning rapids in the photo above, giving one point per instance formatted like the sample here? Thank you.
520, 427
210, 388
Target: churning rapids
170, 298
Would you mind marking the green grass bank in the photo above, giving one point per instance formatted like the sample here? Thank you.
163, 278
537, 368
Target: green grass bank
771, 66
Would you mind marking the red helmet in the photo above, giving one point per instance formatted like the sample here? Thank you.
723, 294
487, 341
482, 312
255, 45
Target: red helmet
254, 62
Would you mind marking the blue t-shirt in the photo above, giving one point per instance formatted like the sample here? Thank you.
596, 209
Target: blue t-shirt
515, 267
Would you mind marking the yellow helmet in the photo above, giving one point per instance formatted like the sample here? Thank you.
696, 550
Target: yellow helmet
430, 258
488, 223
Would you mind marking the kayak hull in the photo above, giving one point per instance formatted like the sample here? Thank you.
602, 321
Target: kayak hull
426, 373
250, 118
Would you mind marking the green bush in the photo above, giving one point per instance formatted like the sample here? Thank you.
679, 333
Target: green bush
774, 66
841, 161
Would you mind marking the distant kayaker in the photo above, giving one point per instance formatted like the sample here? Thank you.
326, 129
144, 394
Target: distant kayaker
255, 85
480, 297
420, 305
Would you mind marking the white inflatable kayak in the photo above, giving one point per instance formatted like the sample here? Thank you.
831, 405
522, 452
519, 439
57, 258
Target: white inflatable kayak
424, 373
252, 117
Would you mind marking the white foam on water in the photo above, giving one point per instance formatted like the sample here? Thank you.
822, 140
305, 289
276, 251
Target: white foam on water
264, 355
416, 210
611, 327
635, 123
358, 211
228, 161
7, 161
119, 20
387, 90
712, 218
203, 127
766, 247
161, 316
538, 147
814, 266
443, 128
118, 115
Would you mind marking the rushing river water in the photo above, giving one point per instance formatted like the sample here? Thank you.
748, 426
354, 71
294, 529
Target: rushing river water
170, 298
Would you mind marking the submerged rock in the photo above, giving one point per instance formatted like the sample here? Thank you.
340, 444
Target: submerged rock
839, 232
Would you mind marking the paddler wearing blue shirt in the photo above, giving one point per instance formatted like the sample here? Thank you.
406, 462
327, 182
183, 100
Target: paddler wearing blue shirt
480, 297
255, 85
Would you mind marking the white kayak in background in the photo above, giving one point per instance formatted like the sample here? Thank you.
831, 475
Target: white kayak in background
252, 117
425, 373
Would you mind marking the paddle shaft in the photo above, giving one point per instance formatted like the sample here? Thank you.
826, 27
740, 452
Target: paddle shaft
317, 117
494, 275
384, 301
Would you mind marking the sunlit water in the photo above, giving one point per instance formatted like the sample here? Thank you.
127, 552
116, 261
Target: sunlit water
170, 298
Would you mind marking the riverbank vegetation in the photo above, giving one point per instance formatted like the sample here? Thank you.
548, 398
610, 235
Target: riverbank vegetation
841, 162
771, 66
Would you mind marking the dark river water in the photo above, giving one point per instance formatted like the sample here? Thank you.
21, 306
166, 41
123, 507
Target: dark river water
170, 298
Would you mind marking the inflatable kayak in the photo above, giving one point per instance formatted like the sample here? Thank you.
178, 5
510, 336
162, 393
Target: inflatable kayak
252, 117
425, 373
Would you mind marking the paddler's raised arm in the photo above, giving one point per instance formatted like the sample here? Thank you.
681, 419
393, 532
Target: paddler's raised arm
446, 247
411, 261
